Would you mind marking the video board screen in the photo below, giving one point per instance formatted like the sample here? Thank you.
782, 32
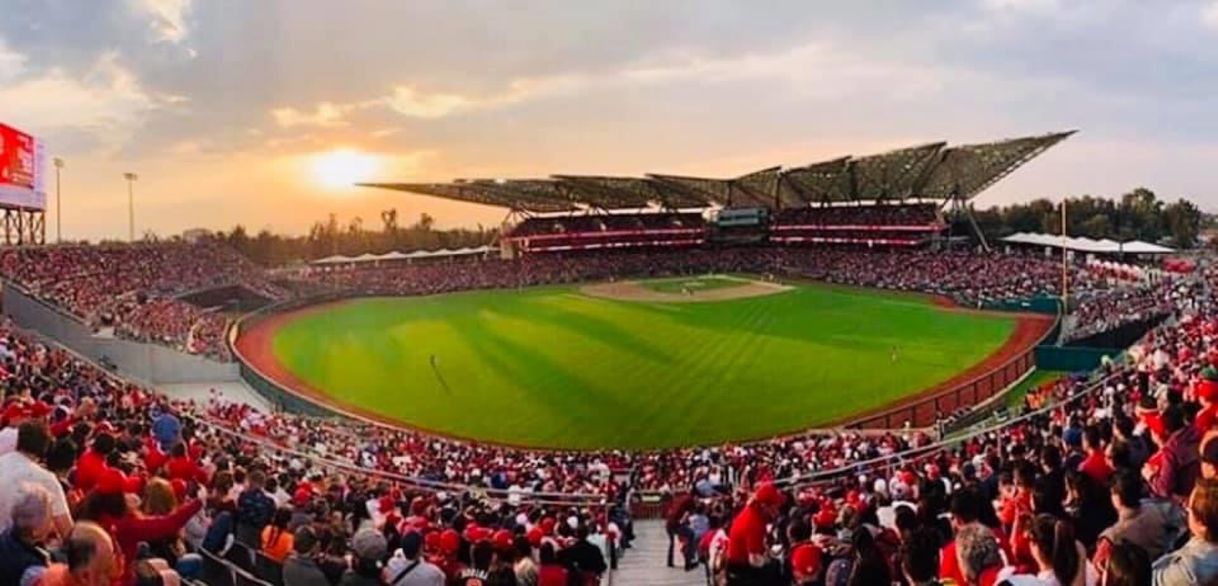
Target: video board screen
22, 170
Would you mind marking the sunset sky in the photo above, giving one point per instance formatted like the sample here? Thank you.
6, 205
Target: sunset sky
231, 111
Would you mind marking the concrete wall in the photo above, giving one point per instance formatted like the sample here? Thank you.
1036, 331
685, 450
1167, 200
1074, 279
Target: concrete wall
150, 363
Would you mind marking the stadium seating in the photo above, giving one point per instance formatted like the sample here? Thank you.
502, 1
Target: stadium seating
591, 232
340, 476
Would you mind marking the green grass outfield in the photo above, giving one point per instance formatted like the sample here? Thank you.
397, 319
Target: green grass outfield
551, 367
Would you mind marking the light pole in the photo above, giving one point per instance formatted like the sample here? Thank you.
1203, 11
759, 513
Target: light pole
58, 202
130, 177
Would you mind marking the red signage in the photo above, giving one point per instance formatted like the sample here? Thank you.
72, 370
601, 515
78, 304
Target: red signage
17, 158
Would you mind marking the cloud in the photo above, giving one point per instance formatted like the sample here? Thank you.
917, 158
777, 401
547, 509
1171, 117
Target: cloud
107, 101
408, 101
1209, 15
168, 18
814, 69
12, 63
324, 115
1025, 6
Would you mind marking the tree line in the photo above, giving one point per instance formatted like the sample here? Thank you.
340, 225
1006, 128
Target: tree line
330, 237
1137, 215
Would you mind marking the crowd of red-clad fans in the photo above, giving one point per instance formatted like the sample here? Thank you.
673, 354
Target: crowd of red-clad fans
107, 483
133, 287
1106, 480
1103, 310
968, 278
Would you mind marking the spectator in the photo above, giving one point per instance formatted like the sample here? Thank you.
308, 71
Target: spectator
478, 573
108, 506
1180, 464
21, 545
583, 557
22, 466
920, 558
550, 572
255, 508
526, 567
1197, 561
746, 550
408, 568
1128, 565
277, 539
806, 563
369, 548
300, 568
1060, 559
91, 559
978, 554
1141, 524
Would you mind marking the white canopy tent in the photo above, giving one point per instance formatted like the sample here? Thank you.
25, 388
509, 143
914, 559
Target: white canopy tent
1087, 245
395, 256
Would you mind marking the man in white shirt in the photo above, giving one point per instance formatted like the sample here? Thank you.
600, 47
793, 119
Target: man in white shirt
408, 568
16, 414
23, 466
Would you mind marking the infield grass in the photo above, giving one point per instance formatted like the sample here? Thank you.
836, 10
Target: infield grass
551, 367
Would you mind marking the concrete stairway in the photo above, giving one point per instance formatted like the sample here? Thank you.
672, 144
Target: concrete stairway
644, 563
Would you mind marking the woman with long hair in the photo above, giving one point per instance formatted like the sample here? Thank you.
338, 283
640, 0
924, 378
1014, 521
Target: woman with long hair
1060, 558
159, 500
277, 541
110, 508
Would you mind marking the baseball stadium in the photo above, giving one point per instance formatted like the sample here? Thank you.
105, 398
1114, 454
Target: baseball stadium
623, 357
720, 320
688, 315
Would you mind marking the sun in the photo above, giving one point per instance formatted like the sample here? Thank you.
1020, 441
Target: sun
341, 168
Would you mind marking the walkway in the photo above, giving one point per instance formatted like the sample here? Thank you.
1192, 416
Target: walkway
643, 563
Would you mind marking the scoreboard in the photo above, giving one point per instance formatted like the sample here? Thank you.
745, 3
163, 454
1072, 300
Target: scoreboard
22, 170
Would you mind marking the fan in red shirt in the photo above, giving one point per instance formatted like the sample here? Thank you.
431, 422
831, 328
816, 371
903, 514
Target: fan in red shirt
180, 466
92, 463
746, 549
965, 508
1206, 392
1095, 464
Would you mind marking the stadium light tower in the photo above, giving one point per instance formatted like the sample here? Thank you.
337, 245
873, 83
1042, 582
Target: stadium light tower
130, 177
58, 202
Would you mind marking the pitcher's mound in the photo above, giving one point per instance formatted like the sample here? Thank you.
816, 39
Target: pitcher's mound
636, 291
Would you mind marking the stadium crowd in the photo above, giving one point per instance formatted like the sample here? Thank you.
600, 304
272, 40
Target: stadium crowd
133, 288
124, 486
967, 278
1103, 310
108, 483
1111, 479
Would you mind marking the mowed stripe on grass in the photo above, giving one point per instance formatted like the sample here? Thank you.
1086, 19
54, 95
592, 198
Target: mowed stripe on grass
550, 367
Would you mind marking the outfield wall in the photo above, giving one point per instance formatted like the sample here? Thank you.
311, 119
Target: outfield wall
927, 411
279, 397
149, 363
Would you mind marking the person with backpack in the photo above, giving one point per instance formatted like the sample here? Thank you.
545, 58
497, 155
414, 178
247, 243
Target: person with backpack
408, 568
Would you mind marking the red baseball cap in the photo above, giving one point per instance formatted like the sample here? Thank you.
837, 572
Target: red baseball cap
111, 481
806, 560
450, 541
768, 494
39, 409
1154, 422
825, 517
535, 535
502, 540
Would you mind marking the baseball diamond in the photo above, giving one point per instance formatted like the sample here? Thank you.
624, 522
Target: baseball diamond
579, 368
